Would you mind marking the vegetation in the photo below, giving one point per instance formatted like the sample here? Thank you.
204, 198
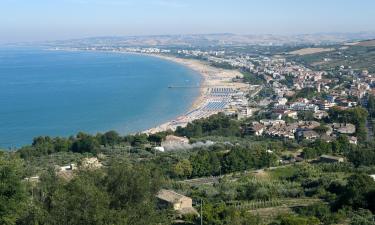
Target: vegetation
239, 178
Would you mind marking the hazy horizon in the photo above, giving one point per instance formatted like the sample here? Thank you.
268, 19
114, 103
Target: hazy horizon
42, 20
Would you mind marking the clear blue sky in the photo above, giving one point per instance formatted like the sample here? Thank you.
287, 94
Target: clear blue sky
23, 20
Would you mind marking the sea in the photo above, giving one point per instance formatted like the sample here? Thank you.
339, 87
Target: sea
60, 93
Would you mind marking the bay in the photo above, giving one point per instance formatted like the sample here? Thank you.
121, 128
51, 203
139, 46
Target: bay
59, 93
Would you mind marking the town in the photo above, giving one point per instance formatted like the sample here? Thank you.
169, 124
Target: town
274, 137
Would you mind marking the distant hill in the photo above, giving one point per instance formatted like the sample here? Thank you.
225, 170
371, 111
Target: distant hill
369, 43
223, 39
359, 55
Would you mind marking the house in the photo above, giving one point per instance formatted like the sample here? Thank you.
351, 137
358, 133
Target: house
272, 122
320, 114
373, 176
309, 135
66, 172
308, 124
179, 202
257, 129
344, 128
33, 179
331, 159
172, 142
279, 112
353, 140
281, 101
291, 114
69, 167
325, 105
244, 112
301, 106
160, 149
327, 138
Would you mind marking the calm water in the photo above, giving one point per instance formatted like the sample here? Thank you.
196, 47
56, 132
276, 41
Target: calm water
59, 93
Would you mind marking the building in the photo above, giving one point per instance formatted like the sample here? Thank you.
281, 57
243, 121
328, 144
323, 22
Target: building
281, 101
69, 167
179, 203
331, 159
353, 140
66, 172
257, 129
309, 135
320, 114
373, 176
272, 122
300, 106
325, 105
344, 128
172, 142
160, 149
244, 112
291, 114
33, 179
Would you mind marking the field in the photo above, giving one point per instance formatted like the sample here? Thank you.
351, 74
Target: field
309, 51
370, 43
357, 57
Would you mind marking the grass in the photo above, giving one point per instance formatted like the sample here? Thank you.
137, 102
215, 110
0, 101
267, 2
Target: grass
282, 172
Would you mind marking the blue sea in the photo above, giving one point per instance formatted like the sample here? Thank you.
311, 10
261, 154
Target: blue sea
59, 93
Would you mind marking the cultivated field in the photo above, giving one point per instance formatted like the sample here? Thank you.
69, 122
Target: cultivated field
309, 51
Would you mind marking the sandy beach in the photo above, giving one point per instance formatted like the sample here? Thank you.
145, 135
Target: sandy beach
212, 77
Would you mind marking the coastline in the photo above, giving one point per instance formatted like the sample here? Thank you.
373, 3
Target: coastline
212, 77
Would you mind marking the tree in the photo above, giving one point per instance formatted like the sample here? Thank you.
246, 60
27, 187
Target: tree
183, 168
364, 156
139, 140
12, 190
357, 116
120, 194
110, 138
319, 210
306, 115
362, 217
371, 106
156, 138
132, 191
356, 192
85, 143
80, 201
341, 144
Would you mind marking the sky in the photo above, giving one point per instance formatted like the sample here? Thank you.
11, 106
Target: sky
39, 20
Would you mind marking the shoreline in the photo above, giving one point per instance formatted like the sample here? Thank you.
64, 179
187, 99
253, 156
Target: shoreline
212, 77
